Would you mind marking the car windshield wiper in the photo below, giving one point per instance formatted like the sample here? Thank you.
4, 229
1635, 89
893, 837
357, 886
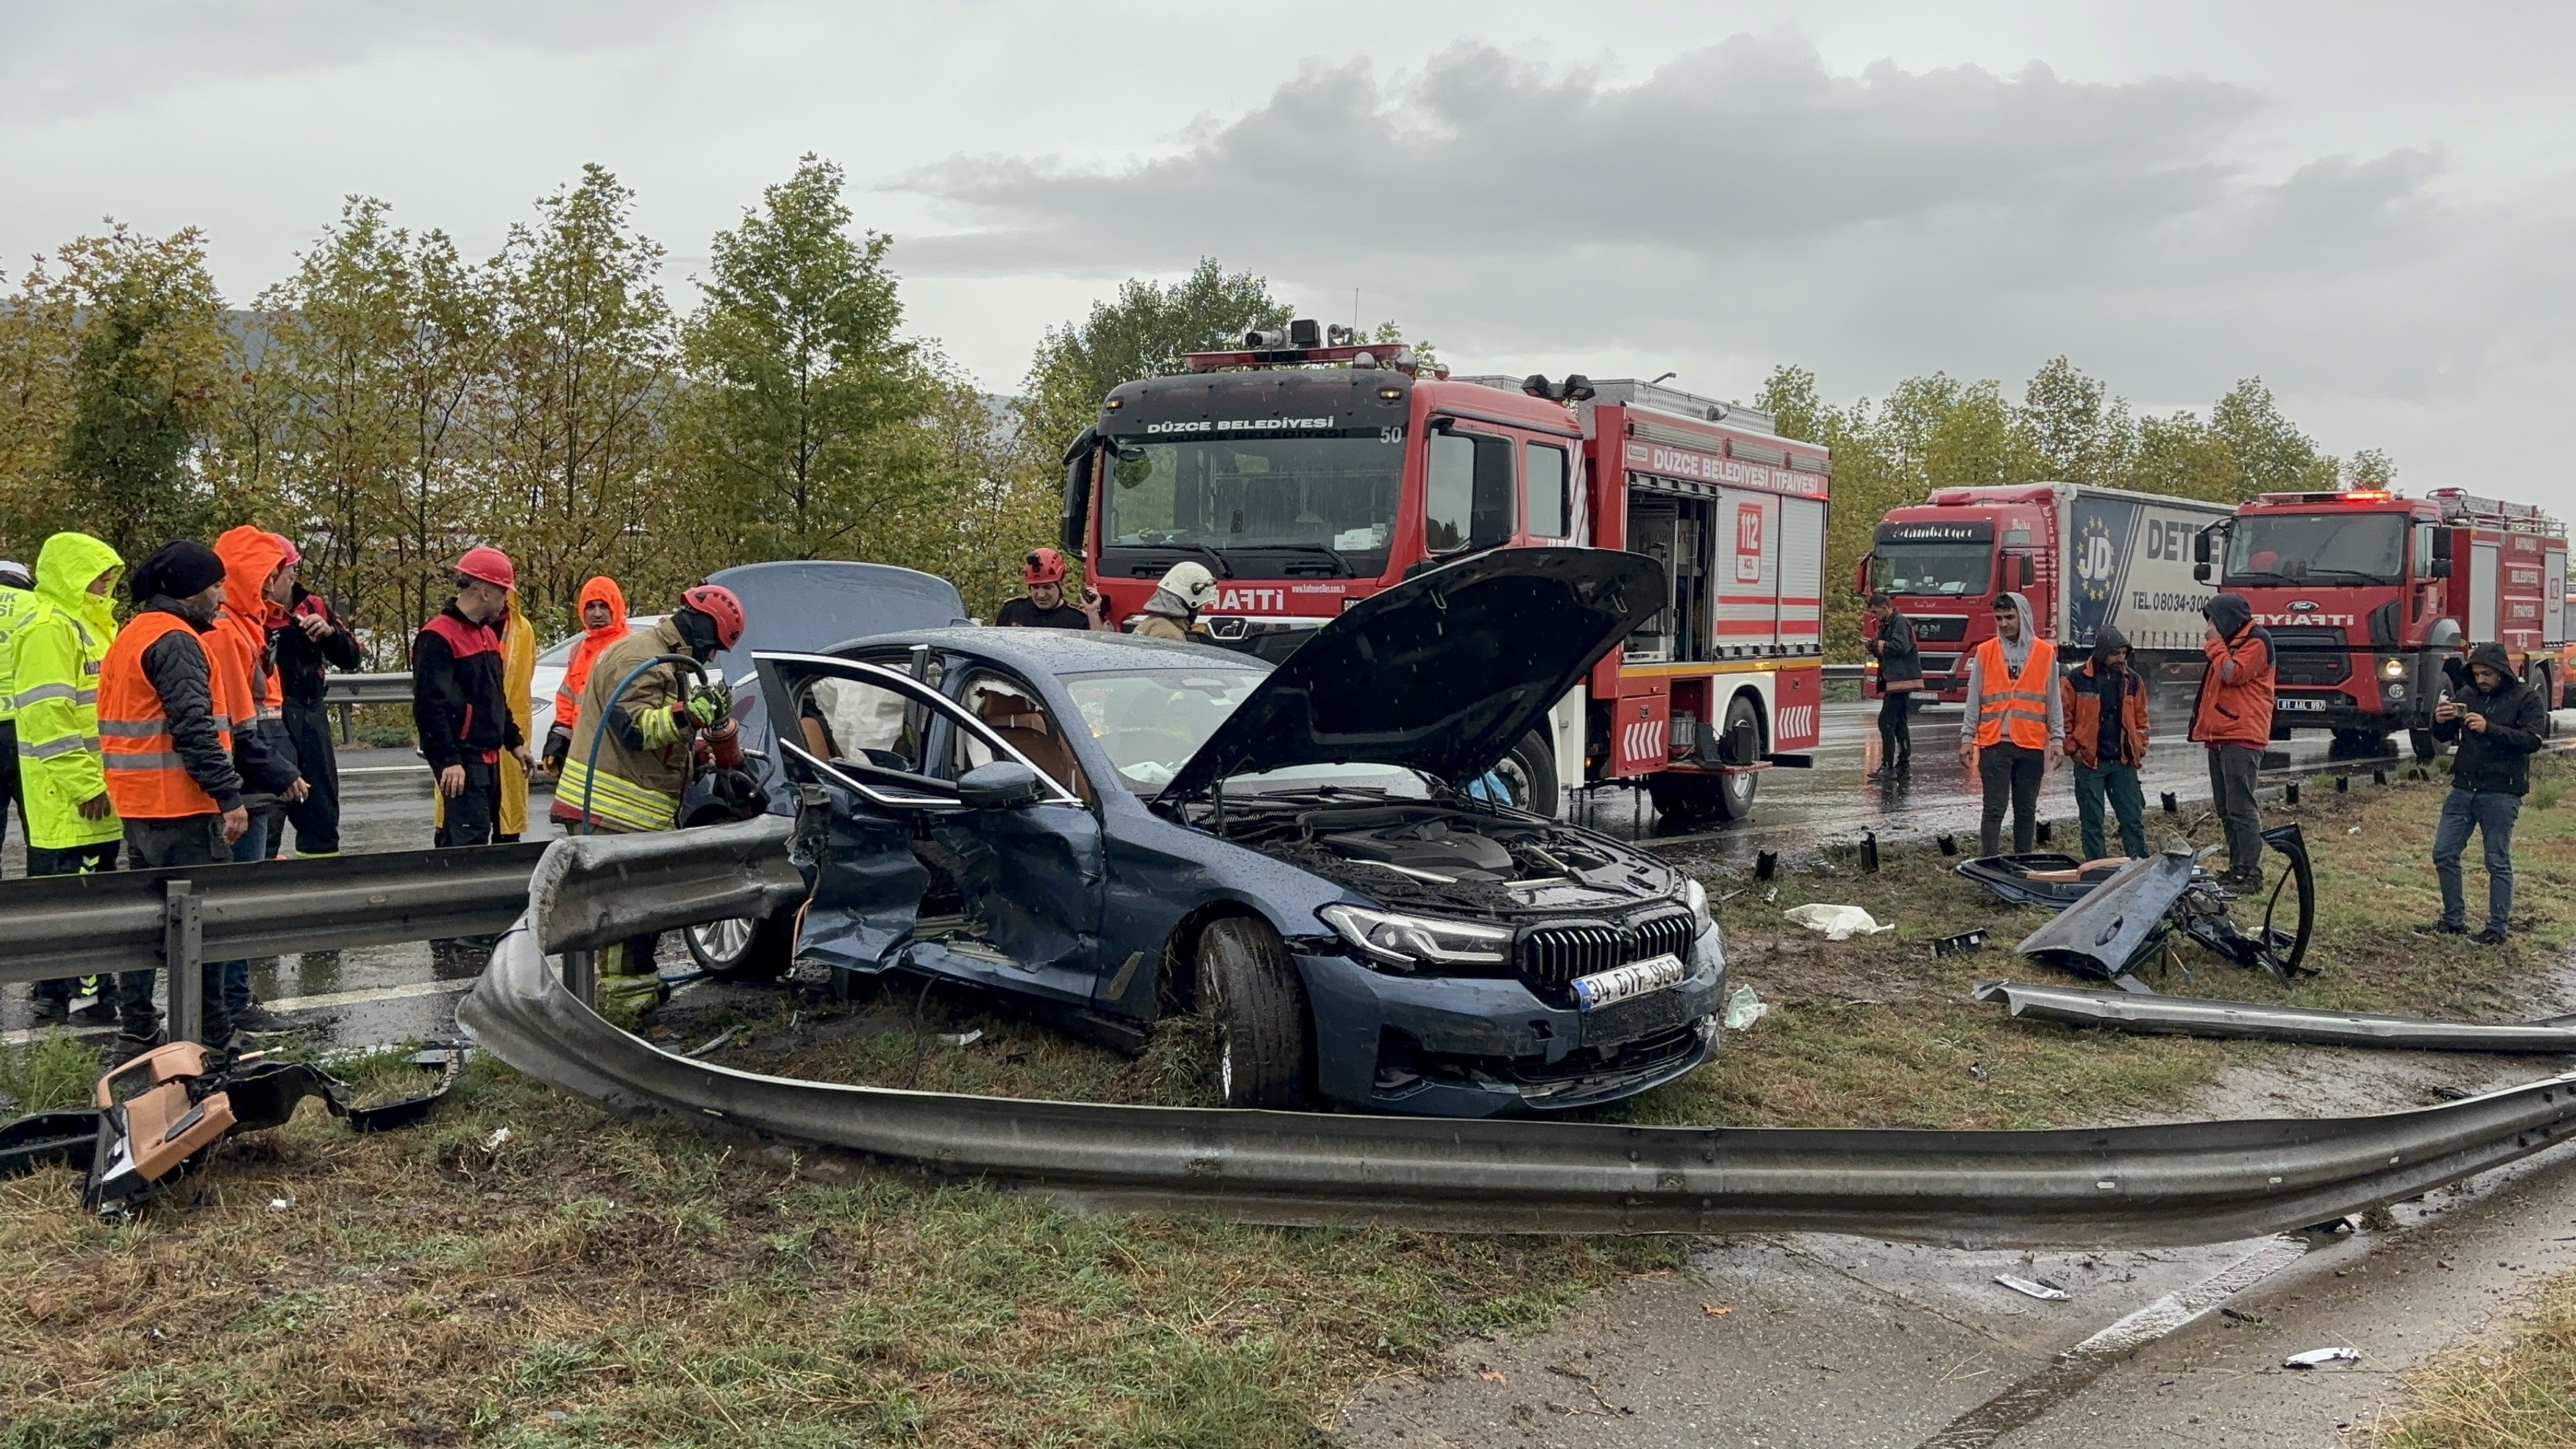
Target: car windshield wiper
2358, 576
1224, 569
1339, 563
2259, 576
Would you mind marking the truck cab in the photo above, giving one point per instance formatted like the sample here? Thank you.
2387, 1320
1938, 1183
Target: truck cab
1943, 562
2367, 593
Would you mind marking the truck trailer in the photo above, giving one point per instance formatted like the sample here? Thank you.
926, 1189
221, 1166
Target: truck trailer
2084, 556
1307, 470
2367, 593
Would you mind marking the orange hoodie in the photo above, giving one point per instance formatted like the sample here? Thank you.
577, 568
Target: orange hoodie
250, 556
594, 643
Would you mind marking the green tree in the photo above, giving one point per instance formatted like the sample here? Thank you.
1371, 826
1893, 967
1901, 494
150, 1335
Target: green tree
1142, 332
2272, 455
146, 371
801, 423
569, 422
2070, 428
2369, 468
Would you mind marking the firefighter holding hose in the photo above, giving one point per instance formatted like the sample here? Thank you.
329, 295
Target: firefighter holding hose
647, 724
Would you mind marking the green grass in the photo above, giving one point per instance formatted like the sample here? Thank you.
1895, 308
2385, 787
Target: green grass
55, 1070
2511, 1388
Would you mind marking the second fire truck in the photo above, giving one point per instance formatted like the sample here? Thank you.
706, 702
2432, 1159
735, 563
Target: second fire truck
1307, 470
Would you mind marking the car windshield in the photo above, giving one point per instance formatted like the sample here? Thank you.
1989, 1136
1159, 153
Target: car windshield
1151, 722
1933, 568
2291, 548
1330, 497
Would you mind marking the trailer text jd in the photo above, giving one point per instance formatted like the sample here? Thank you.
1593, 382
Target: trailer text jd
1308, 470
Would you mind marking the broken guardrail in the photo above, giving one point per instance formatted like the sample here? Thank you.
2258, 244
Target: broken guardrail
135, 920
2153, 1185
2198, 1016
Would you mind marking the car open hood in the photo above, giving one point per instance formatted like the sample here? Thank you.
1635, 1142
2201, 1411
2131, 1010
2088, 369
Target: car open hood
1443, 673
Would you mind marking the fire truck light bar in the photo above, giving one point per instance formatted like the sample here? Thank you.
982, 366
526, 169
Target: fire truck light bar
1393, 355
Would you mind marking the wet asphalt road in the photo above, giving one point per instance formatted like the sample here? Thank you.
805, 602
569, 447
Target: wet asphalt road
389, 993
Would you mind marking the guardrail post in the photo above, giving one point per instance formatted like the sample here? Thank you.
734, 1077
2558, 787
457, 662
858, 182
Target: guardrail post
581, 976
183, 949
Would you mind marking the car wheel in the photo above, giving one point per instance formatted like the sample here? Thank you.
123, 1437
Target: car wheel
1253, 998
1528, 774
739, 948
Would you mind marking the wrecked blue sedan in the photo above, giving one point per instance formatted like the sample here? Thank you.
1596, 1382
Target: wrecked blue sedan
1114, 830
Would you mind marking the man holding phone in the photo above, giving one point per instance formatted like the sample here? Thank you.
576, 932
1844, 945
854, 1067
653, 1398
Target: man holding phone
1044, 608
2497, 720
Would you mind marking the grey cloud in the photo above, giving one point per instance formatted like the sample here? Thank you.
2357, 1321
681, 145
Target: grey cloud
1744, 202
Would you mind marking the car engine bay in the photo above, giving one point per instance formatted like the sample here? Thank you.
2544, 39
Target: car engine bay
1461, 857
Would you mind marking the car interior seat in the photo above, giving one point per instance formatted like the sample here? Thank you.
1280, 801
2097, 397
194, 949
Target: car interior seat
1026, 728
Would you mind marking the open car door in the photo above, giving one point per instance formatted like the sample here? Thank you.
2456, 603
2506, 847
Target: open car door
994, 876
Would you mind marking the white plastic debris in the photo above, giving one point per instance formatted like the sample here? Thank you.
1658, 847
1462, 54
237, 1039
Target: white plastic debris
499, 1139
2030, 1289
1839, 923
280, 1204
1743, 1008
2320, 1357
961, 1038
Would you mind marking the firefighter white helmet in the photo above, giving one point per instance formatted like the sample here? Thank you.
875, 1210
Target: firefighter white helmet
1192, 584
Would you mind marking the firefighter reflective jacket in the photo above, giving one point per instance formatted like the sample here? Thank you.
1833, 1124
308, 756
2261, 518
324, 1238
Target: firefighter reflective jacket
54, 683
17, 611
2011, 707
165, 731
643, 753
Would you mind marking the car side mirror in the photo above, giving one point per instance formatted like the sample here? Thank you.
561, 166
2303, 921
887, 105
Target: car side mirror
1001, 785
2441, 568
2205, 573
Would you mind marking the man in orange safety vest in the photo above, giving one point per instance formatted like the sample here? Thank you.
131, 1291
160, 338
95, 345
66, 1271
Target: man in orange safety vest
2014, 721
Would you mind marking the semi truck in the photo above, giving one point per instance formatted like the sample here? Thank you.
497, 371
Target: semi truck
2367, 593
2084, 556
1308, 469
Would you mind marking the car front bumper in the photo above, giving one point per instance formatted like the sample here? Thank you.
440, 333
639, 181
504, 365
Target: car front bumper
1465, 1046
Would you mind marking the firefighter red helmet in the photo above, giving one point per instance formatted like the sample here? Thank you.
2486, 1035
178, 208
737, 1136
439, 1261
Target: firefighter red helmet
1044, 566
489, 564
718, 603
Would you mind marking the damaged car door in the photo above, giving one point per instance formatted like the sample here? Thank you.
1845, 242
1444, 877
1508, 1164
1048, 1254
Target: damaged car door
917, 864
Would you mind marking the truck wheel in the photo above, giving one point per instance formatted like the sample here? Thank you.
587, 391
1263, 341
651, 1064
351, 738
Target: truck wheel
1529, 775
1740, 743
739, 948
1252, 994
2426, 747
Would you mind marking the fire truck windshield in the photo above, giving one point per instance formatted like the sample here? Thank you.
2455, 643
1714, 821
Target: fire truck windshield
1271, 506
1926, 567
2328, 546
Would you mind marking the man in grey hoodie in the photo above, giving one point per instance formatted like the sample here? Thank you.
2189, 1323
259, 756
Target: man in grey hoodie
2015, 720
2497, 720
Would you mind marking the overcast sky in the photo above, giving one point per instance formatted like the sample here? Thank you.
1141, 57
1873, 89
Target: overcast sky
2370, 206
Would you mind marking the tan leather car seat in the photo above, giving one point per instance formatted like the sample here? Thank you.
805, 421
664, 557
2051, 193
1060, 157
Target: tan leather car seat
1025, 728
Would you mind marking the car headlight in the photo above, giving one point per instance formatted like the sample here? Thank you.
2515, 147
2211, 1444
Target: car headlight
1695, 896
1418, 940
2392, 669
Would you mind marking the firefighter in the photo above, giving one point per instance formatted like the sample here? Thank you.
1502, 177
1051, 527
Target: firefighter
2106, 739
165, 743
632, 752
603, 622
72, 827
1044, 607
307, 646
2233, 717
460, 704
2014, 721
17, 610
1186, 589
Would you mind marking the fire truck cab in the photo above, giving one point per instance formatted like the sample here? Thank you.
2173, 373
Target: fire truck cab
2367, 593
1307, 470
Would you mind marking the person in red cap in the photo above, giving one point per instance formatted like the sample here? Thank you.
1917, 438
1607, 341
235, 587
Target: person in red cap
459, 704
1044, 608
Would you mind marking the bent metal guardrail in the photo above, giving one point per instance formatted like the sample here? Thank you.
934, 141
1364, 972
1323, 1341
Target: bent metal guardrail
2159, 1185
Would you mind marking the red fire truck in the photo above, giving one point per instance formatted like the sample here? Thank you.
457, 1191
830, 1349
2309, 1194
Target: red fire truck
1308, 470
2366, 593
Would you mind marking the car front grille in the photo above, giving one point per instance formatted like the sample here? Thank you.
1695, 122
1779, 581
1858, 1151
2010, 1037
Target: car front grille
2312, 656
1549, 958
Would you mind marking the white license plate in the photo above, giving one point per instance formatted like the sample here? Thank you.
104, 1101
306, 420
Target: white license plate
2294, 706
1625, 983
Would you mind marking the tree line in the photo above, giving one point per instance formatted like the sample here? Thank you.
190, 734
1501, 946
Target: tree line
1941, 432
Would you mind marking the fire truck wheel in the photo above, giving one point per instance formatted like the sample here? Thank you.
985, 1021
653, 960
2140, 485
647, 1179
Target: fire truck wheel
1529, 774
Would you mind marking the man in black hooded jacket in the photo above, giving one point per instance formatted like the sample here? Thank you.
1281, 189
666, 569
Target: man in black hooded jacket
2497, 720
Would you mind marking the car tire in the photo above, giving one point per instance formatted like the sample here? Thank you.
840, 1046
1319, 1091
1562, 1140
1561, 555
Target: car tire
739, 948
1249, 988
1529, 774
